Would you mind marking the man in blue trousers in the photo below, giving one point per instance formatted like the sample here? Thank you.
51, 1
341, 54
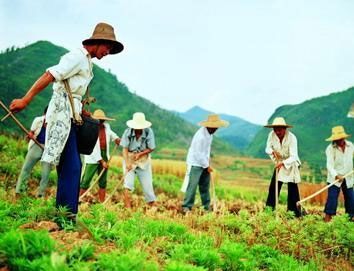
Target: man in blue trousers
61, 138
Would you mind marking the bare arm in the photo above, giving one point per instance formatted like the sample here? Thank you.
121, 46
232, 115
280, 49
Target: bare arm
42, 82
142, 153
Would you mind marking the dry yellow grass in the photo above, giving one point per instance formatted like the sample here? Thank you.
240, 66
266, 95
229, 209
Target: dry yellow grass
247, 174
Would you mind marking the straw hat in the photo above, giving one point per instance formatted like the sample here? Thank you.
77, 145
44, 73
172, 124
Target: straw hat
214, 121
278, 122
100, 115
105, 33
338, 133
138, 121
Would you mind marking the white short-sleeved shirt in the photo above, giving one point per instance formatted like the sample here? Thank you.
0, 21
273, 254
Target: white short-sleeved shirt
76, 67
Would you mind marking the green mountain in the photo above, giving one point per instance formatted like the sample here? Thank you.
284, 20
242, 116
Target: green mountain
312, 121
19, 68
239, 134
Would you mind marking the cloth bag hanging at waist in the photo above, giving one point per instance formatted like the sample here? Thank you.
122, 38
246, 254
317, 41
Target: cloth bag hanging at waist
87, 128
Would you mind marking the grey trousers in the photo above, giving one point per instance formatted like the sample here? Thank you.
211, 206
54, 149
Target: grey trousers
33, 155
145, 179
198, 177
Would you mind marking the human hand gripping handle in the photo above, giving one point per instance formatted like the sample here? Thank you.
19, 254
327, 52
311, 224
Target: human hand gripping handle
104, 164
18, 104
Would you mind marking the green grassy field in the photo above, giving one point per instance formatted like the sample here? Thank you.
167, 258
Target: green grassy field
239, 235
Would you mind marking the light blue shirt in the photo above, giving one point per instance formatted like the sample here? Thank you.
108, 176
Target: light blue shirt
145, 141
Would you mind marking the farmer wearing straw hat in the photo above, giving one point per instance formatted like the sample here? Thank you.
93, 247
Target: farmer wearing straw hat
97, 160
282, 149
138, 142
198, 163
339, 162
61, 145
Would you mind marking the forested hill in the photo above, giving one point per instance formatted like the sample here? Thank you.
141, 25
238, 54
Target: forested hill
19, 68
313, 121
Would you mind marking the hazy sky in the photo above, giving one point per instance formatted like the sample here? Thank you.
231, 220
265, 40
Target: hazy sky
243, 58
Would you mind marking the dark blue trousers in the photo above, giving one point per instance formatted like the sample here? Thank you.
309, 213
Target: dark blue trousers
332, 199
293, 195
69, 173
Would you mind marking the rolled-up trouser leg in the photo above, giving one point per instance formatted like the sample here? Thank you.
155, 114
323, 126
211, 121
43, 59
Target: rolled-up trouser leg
332, 200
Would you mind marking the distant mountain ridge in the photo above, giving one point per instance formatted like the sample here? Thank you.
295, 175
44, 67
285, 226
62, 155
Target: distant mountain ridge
19, 68
239, 133
312, 121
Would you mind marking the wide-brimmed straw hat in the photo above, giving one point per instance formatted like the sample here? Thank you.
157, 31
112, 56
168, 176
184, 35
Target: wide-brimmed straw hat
100, 115
214, 121
138, 121
338, 133
278, 122
104, 33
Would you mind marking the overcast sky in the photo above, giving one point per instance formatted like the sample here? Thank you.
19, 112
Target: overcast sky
240, 57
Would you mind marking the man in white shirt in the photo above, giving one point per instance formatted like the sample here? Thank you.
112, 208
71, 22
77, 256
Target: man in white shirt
282, 149
339, 162
33, 155
97, 160
198, 163
61, 147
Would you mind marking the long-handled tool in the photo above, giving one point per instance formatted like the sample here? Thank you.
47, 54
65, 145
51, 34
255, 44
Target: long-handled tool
276, 189
10, 114
136, 163
100, 175
298, 204
116, 187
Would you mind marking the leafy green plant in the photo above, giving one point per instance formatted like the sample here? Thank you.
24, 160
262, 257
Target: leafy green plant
22, 247
133, 260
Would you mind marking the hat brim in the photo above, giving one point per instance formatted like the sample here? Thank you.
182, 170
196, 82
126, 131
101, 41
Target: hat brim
102, 118
117, 46
214, 124
134, 125
334, 138
282, 125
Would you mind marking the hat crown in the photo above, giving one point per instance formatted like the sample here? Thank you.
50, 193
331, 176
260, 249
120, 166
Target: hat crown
279, 121
338, 132
138, 121
139, 117
103, 31
214, 121
100, 115
213, 118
